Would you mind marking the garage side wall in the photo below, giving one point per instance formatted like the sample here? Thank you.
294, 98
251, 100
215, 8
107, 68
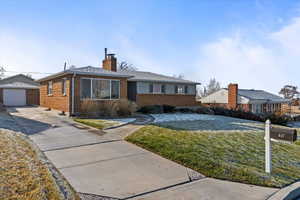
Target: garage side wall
57, 100
33, 97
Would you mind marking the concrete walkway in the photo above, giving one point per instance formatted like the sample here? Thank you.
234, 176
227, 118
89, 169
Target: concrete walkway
103, 164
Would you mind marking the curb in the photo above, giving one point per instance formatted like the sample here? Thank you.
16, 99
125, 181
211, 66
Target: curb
290, 192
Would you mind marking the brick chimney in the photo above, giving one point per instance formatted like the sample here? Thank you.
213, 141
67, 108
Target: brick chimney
109, 62
232, 96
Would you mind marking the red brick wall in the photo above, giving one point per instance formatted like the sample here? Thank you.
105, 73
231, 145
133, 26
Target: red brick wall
232, 96
57, 100
167, 99
32, 96
110, 64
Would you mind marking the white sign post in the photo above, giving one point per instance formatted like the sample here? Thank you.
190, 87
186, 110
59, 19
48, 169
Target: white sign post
268, 148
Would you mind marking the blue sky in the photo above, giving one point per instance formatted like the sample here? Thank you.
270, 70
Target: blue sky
253, 43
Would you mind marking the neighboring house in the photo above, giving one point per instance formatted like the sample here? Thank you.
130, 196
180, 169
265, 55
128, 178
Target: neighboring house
256, 101
67, 90
19, 90
293, 107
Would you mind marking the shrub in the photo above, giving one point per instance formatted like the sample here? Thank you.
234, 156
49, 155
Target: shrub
125, 107
204, 110
88, 108
116, 108
156, 109
152, 109
275, 118
107, 108
168, 108
185, 110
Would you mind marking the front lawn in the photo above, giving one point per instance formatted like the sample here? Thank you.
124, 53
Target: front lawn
97, 123
236, 156
22, 174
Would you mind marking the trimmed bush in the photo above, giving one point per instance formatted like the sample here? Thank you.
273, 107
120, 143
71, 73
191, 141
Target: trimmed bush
204, 110
168, 108
126, 108
117, 108
157, 109
153, 109
275, 118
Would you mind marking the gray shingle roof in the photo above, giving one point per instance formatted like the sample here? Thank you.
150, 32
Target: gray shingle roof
131, 75
19, 85
97, 71
88, 70
19, 81
149, 76
260, 95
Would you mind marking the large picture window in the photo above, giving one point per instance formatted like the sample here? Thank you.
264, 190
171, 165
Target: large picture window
99, 89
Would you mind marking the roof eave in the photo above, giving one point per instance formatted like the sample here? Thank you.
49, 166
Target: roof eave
81, 73
159, 81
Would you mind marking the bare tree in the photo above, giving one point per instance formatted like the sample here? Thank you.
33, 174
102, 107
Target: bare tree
29, 75
125, 66
210, 88
289, 91
2, 70
180, 76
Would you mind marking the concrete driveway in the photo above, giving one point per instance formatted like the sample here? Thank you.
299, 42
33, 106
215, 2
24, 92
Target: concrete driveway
103, 164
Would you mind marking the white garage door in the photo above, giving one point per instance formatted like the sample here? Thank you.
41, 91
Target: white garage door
14, 97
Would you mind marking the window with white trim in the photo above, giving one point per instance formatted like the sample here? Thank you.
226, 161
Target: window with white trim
99, 89
179, 89
157, 88
49, 89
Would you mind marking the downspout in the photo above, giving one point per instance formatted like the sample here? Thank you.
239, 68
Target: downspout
73, 96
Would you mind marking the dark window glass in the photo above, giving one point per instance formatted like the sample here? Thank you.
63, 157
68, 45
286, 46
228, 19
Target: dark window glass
185, 89
85, 88
163, 88
151, 88
115, 89
176, 89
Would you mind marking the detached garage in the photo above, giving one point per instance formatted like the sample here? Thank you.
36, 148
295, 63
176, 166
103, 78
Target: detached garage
19, 90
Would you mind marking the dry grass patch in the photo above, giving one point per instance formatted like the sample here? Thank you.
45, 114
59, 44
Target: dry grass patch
97, 123
22, 173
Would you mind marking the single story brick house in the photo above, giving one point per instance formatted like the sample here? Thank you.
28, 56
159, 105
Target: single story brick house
256, 101
19, 90
66, 90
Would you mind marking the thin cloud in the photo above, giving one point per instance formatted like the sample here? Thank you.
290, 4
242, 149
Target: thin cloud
27, 54
252, 64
